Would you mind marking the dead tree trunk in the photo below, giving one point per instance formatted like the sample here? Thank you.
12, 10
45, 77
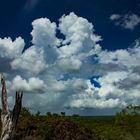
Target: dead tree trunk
8, 119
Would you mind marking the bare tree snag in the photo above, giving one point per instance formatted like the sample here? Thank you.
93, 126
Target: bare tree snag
9, 120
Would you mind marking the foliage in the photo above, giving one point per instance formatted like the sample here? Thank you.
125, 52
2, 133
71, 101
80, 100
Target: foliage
129, 120
124, 126
25, 112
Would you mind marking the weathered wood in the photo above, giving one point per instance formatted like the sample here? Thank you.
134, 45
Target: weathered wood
9, 120
4, 96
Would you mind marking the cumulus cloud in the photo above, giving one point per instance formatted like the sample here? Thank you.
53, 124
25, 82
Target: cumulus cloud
96, 103
32, 61
70, 64
63, 69
32, 85
79, 35
44, 33
127, 21
128, 57
11, 49
35, 59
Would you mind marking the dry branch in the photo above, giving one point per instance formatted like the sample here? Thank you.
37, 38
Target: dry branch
9, 120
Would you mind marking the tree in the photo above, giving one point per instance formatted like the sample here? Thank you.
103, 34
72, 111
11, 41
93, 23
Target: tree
49, 114
9, 119
25, 112
62, 113
129, 120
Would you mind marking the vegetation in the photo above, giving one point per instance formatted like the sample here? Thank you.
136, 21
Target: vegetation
124, 126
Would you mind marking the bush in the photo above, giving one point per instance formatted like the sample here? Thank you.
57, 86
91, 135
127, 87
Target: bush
68, 130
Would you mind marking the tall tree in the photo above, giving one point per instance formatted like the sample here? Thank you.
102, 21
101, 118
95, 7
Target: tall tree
9, 119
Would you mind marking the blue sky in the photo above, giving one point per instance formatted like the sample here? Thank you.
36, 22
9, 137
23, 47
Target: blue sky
17, 17
71, 55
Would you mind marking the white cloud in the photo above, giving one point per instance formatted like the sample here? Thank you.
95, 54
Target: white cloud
108, 96
11, 49
79, 35
128, 57
62, 72
32, 61
118, 88
44, 50
109, 84
96, 103
70, 64
32, 85
44, 33
114, 17
127, 21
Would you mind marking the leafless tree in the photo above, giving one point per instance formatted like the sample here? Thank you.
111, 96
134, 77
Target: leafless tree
9, 119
